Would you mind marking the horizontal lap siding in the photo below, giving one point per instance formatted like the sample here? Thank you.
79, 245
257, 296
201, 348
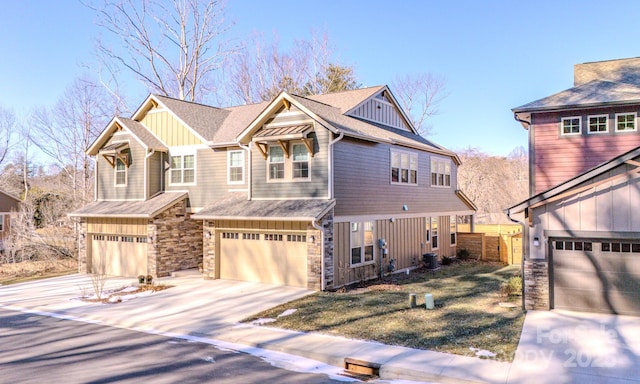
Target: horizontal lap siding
559, 158
363, 186
134, 190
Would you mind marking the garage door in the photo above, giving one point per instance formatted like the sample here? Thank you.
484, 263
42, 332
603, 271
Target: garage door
596, 276
119, 255
273, 258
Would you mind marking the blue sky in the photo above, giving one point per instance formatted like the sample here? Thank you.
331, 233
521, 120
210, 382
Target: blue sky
494, 55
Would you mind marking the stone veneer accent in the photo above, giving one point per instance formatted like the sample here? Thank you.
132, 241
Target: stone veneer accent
209, 250
175, 241
536, 283
314, 253
84, 265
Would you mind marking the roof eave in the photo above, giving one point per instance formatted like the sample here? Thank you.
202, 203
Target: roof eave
569, 107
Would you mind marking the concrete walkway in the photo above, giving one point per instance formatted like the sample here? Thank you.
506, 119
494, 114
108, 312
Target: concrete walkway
212, 310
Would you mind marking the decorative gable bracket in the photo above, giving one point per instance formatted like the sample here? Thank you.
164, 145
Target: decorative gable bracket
116, 151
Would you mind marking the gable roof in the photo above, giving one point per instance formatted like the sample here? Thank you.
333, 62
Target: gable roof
9, 195
140, 133
347, 100
593, 93
544, 196
205, 120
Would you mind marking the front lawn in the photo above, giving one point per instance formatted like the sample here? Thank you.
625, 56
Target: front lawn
467, 313
13, 273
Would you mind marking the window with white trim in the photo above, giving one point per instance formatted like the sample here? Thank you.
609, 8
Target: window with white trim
427, 229
276, 163
625, 122
183, 169
300, 161
235, 160
440, 172
570, 126
120, 173
598, 124
434, 233
453, 229
404, 167
361, 243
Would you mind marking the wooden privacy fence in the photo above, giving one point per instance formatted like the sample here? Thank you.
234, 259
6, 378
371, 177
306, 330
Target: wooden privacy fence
489, 244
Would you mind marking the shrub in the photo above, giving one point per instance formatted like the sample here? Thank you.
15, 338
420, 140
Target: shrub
463, 254
149, 279
141, 279
511, 287
446, 260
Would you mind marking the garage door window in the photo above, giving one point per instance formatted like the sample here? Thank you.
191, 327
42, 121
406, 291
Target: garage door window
230, 235
621, 247
573, 245
272, 237
250, 236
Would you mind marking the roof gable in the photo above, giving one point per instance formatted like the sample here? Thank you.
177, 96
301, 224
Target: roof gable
138, 131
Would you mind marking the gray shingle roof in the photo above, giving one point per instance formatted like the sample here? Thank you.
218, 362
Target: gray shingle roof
204, 119
236, 206
238, 119
346, 100
133, 209
593, 93
142, 133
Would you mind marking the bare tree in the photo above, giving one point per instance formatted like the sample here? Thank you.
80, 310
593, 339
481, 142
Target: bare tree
65, 131
419, 95
262, 70
173, 47
8, 125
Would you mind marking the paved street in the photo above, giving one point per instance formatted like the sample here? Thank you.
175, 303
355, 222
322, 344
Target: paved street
38, 349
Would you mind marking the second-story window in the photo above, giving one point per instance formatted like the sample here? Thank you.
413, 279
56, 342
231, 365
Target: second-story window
625, 122
404, 167
598, 124
183, 169
121, 173
300, 162
570, 126
440, 172
236, 167
276, 163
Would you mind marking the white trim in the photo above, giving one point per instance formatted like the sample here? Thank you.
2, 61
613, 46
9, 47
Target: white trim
401, 152
445, 161
195, 168
562, 120
116, 171
288, 165
635, 122
606, 123
388, 216
289, 198
438, 230
243, 154
455, 222
363, 245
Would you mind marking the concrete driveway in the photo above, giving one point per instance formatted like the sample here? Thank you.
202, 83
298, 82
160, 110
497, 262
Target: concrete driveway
574, 347
193, 306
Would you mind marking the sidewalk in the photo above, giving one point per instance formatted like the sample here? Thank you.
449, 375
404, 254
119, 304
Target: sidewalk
183, 310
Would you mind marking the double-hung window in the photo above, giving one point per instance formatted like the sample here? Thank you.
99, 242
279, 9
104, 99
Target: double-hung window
361, 243
625, 122
404, 167
598, 124
453, 229
440, 172
300, 161
570, 126
236, 167
276, 163
183, 169
121, 173
434, 233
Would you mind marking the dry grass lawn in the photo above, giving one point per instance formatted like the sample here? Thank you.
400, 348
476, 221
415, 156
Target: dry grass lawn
467, 313
12, 273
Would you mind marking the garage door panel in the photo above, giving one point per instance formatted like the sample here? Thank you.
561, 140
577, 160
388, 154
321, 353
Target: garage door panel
596, 280
118, 255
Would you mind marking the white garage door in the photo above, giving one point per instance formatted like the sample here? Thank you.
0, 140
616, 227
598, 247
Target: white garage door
119, 255
272, 258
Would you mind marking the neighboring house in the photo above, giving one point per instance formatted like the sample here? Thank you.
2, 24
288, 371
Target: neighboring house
297, 191
9, 205
582, 230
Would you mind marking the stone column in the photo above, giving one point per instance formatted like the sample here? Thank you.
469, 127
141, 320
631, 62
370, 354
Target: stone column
536, 281
84, 263
209, 250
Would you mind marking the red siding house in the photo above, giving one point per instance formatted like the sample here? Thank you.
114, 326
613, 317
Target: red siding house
582, 231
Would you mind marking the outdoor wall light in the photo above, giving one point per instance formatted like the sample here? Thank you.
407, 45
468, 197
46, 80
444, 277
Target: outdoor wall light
536, 242
405, 208
312, 239
393, 219
207, 234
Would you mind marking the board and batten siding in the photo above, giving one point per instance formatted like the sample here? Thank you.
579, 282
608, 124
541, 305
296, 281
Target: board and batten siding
558, 158
382, 112
167, 128
117, 226
105, 173
362, 182
211, 178
261, 225
315, 187
406, 243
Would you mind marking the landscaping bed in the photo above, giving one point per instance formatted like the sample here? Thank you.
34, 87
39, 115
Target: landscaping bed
468, 318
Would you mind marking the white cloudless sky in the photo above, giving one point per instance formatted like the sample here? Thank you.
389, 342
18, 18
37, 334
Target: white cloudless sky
494, 55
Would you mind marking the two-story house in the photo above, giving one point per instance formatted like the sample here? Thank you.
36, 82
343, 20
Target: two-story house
317, 192
582, 228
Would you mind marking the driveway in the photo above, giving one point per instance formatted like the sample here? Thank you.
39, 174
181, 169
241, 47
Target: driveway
573, 347
193, 306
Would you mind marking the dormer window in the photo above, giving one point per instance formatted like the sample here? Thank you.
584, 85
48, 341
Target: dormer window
120, 173
300, 161
276, 163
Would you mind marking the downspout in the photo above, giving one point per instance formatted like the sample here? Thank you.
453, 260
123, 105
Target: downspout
248, 149
322, 277
331, 144
146, 167
525, 249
